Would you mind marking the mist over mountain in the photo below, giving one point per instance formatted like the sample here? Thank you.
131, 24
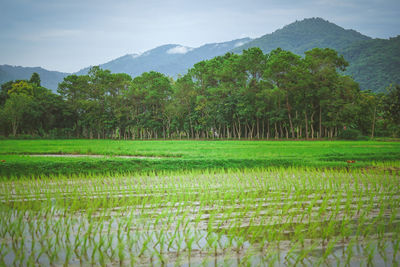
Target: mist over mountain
374, 63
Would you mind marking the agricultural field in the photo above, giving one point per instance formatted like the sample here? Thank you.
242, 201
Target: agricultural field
27, 157
199, 203
260, 217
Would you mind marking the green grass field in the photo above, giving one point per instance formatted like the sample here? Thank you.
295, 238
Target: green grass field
15, 159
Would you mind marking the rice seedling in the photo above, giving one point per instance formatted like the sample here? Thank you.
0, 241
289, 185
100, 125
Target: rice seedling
292, 216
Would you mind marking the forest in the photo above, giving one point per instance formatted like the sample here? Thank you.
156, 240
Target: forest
278, 95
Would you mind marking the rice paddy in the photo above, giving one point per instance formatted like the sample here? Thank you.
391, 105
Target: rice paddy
254, 217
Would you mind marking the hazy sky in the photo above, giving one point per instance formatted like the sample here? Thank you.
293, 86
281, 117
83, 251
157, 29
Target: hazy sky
67, 35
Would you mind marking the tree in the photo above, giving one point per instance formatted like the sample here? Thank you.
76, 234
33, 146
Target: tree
323, 64
391, 104
285, 70
15, 108
22, 87
5, 87
35, 79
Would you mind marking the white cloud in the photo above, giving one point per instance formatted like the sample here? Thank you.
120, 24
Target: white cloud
240, 43
136, 55
179, 50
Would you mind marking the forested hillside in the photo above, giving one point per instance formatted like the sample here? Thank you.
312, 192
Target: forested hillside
304, 35
374, 64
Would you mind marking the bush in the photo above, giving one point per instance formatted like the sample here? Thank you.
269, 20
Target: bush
25, 137
350, 134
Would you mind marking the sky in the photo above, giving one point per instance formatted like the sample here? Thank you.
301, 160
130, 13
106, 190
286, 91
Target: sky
68, 35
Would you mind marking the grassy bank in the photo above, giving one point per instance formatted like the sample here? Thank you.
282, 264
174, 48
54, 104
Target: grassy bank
16, 159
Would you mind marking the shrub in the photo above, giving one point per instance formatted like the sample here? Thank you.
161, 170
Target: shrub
350, 134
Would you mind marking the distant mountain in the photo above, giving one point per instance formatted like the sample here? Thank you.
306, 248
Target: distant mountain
304, 35
374, 64
171, 59
49, 79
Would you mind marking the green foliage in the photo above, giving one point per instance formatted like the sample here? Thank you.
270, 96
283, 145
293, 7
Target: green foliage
35, 79
350, 134
392, 104
22, 87
15, 108
252, 96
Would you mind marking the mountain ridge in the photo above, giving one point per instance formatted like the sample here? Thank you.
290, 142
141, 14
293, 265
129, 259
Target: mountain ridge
171, 59
297, 37
304, 35
49, 78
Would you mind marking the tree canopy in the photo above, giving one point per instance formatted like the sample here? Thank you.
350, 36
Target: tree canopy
252, 95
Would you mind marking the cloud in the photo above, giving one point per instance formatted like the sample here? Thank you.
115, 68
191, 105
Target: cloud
179, 50
240, 43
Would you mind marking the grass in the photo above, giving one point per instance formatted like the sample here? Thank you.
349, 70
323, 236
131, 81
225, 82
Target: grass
186, 155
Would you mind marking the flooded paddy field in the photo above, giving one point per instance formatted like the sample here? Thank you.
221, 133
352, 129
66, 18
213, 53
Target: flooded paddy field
265, 217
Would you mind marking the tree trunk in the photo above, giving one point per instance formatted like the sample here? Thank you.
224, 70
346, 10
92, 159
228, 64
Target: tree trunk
14, 125
290, 117
320, 122
312, 124
297, 127
306, 121
287, 132
373, 124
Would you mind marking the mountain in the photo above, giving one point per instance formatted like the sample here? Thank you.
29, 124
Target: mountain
304, 35
374, 64
49, 79
171, 59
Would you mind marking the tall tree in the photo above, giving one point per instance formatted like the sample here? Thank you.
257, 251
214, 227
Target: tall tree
35, 79
15, 108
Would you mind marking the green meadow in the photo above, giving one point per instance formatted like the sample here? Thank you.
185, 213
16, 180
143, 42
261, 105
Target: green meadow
36, 157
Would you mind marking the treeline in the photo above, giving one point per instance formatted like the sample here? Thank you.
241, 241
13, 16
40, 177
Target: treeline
248, 96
